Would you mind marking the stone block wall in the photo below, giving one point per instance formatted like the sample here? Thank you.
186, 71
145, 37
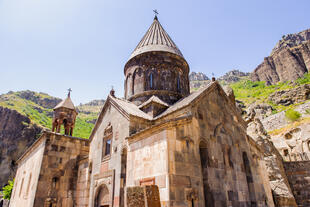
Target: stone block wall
27, 176
147, 163
105, 170
57, 184
298, 174
143, 196
82, 186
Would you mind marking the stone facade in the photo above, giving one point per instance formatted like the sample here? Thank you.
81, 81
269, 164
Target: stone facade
160, 146
299, 178
50, 173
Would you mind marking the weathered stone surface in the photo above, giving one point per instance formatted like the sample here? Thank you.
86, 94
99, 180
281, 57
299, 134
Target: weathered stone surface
233, 76
261, 110
291, 96
292, 40
298, 174
281, 190
193, 76
230, 93
294, 143
48, 173
285, 64
16, 134
143, 196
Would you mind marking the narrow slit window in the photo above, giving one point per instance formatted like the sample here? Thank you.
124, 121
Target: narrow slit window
108, 147
151, 80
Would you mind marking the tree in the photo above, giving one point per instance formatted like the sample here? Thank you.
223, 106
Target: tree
7, 190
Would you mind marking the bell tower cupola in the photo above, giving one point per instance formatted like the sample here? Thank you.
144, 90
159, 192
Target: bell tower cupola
156, 68
64, 114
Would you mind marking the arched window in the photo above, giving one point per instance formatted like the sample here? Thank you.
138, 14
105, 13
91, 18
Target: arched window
102, 197
55, 182
133, 83
151, 80
178, 83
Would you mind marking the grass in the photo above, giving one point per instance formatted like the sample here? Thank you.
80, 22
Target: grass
305, 120
258, 92
292, 115
43, 116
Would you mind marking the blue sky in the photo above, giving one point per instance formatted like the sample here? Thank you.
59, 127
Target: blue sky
51, 45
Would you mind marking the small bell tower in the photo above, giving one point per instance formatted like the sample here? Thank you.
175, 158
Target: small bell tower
65, 114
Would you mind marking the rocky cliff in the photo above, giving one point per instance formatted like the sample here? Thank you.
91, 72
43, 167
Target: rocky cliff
233, 76
193, 76
16, 135
289, 60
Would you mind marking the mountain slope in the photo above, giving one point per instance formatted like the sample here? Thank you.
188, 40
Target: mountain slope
38, 107
289, 60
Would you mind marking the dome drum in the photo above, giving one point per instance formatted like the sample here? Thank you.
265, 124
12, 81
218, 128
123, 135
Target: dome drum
158, 74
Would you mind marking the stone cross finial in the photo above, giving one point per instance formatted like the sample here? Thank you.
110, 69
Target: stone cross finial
69, 91
156, 13
213, 78
112, 92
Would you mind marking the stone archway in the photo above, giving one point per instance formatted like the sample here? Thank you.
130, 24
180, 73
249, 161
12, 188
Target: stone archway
102, 198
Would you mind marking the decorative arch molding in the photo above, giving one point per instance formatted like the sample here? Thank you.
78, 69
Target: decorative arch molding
107, 179
102, 196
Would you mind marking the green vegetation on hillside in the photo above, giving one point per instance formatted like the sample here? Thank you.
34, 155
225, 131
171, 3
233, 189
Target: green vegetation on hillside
292, 115
249, 92
42, 116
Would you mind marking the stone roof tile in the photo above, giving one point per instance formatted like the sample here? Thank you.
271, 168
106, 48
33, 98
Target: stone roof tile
66, 103
156, 39
131, 108
154, 99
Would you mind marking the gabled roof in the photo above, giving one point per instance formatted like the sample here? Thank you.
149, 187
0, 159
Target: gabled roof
186, 100
130, 108
156, 39
154, 99
66, 103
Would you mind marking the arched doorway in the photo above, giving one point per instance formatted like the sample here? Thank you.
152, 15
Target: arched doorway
102, 197
123, 177
205, 163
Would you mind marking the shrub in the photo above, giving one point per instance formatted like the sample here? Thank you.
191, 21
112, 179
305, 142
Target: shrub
7, 190
292, 115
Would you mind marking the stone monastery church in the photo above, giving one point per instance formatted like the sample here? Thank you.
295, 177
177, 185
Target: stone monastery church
160, 145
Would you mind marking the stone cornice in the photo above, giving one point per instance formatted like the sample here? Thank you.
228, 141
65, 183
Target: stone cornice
155, 92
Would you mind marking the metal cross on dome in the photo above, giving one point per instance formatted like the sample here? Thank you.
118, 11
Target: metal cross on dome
155, 12
69, 91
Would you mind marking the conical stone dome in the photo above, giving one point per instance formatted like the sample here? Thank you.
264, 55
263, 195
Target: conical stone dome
156, 39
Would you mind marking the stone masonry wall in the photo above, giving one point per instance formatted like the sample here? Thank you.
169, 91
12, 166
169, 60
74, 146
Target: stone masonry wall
27, 175
57, 185
230, 176
147, 163
298, 174
106, 170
